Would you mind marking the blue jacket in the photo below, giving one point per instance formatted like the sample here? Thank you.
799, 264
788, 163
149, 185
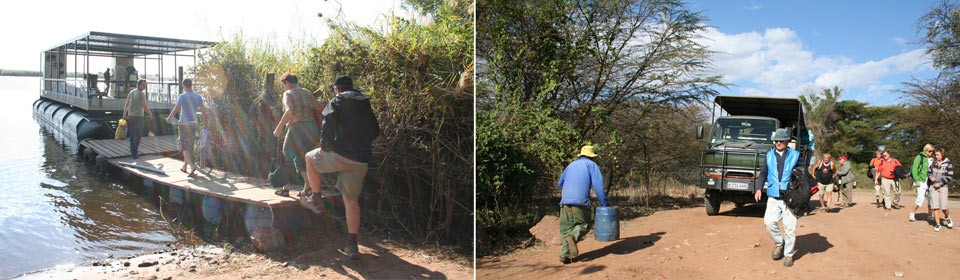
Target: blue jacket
576, 181
772, 176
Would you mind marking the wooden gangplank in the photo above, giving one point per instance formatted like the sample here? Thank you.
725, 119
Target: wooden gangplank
210, 182
150, 145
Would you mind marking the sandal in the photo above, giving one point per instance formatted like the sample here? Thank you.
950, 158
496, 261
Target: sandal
283, 191
184, 169
304, 192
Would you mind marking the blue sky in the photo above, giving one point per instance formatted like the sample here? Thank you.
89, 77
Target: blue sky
788, 48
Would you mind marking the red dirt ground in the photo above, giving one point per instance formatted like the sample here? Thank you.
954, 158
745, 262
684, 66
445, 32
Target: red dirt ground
860, 242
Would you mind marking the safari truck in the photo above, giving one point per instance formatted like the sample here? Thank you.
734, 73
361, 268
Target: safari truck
738, 142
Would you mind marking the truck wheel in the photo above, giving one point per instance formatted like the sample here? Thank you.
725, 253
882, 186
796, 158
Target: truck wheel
711, 201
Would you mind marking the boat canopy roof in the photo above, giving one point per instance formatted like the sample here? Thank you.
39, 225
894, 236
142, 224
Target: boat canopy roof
123, 45
787, 110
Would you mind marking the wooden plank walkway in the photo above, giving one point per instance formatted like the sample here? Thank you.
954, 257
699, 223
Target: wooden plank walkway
211, 182
149, 145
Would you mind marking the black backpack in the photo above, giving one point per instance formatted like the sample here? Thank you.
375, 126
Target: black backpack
899, 172
799, 190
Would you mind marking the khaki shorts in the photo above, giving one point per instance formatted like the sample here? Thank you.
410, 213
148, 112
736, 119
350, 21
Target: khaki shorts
186, 136
824, 188
350, 173
938, 198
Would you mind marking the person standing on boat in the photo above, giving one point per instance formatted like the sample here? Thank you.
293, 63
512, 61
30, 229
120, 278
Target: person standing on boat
346, 146
136, 112
188, 104
299, 109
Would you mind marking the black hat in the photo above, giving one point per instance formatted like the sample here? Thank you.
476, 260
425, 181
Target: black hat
344, 83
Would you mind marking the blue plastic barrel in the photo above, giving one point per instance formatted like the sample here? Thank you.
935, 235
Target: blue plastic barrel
148, 186
176, 196
256, 216
212, 209
607, 223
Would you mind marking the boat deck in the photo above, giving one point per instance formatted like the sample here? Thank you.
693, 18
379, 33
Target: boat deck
206, 181
150, 145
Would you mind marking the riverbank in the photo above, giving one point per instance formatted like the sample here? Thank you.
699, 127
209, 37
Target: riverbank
380, 259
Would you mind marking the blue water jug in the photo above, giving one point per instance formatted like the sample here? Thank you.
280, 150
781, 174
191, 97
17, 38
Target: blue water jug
607, 223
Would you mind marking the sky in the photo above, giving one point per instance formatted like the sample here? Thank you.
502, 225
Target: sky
29, 27
788, 48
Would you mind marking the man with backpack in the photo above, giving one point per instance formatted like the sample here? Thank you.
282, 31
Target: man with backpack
887, 179
346, 146
775, 178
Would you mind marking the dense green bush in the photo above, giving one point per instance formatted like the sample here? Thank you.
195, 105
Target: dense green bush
418, 75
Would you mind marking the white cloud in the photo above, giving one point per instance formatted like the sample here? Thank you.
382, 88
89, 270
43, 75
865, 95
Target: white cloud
776, 63
753, 7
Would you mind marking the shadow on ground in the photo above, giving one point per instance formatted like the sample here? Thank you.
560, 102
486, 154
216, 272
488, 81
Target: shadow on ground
811, 243
318, 246
623, 246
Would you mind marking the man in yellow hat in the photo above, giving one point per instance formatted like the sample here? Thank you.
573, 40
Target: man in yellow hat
575, 182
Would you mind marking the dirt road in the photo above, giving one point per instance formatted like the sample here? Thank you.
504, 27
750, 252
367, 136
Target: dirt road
860, 242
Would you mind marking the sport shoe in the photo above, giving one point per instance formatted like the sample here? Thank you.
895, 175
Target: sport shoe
936, 228
912, 218
564, 260
949, 223
312, 203
572, 246
777, 253
788, 261
351, 251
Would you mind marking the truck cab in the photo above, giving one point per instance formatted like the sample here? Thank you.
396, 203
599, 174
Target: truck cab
738, 142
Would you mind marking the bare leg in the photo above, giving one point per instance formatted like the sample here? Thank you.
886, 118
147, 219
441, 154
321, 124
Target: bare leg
306, 178
936, 216
829, 198
352, 208
188, 160
312, 178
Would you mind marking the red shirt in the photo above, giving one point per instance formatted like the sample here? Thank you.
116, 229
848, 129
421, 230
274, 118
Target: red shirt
887, 166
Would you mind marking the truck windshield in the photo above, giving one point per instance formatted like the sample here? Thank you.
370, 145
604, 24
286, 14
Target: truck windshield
743, 130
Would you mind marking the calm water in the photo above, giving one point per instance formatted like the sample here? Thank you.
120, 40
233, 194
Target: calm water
54, 209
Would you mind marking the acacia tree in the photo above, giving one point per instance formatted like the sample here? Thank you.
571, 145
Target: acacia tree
935, 103
821, 116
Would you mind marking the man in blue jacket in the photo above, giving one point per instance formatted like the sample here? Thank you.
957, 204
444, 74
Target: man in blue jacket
775, 177
575, 183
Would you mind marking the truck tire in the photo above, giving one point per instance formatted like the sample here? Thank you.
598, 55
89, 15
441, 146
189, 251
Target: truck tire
711, 202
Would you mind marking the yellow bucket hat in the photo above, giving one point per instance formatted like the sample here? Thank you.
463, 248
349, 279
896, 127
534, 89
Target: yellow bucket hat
587, 151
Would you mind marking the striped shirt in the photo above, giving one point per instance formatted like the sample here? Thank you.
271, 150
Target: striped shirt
941, 172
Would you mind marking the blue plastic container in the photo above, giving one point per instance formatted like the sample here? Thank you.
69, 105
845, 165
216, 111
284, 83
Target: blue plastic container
607, 223
175, 196
212, 209
256, 216
149, 186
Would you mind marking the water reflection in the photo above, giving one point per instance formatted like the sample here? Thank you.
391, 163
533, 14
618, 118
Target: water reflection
55, 209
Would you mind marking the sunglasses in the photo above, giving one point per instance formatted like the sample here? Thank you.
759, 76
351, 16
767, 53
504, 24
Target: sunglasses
775, 141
